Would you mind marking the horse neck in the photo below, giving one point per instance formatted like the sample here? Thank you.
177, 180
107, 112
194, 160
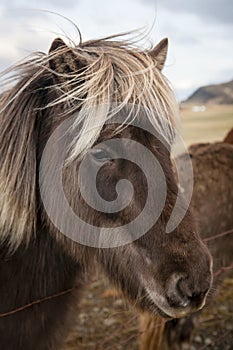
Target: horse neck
36, 271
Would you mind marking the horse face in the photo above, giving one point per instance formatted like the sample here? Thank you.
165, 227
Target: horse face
156, 270
167, 273
126, 193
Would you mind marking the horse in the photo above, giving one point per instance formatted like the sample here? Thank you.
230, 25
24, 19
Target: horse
229, 137
211, 204
64, 109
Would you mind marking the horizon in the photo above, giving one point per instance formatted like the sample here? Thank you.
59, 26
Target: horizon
206, 86
200, 44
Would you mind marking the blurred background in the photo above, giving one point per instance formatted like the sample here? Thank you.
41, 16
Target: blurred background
200, 45
200, 69
200, 32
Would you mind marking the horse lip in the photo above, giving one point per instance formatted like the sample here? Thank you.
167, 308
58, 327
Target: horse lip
169, 313
202, 304
177, 313
161, 312
160, 304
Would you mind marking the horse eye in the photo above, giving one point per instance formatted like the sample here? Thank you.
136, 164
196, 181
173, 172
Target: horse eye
101, 155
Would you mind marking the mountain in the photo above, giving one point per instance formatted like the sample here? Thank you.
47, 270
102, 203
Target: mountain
213, 94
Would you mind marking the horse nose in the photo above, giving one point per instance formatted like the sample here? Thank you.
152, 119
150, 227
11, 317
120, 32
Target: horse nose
183, 292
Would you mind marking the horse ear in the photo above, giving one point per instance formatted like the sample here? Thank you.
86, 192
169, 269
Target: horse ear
56, 51
63, 60
58, 43
159, 53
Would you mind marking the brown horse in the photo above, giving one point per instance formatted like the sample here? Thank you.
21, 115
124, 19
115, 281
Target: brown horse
74, 92
211, 204
229, 137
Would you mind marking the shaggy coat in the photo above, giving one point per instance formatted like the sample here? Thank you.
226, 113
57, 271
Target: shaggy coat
41, 269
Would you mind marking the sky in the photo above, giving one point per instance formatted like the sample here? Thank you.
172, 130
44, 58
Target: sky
200, 32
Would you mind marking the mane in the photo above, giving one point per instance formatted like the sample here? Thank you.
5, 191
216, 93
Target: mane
95, 79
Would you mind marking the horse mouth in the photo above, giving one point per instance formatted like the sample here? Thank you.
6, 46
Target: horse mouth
165, 312
153, 306
161, 313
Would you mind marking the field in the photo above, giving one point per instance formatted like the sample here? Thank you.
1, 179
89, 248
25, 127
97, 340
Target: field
208, 126
106, 322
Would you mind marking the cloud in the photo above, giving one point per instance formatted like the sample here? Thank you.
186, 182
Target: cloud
216, 10
199, 35
41, 4
4, 63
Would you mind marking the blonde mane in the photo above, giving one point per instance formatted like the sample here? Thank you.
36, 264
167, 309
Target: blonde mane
116, 75
95, 80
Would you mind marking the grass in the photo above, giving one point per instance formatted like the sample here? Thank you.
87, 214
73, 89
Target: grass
208, 126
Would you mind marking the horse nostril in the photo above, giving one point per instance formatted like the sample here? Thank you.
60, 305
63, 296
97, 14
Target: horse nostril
175, 295
181, 293
194, 294
184, 294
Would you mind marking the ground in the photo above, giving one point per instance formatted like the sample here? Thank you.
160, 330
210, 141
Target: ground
208, 126
106, 322
216, 322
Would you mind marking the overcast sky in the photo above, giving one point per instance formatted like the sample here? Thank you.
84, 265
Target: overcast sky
200, 32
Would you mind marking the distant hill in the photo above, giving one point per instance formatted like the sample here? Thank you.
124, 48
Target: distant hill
212, 94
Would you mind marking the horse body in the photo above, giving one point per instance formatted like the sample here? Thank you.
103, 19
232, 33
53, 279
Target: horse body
37, 260
212, 198
211, 204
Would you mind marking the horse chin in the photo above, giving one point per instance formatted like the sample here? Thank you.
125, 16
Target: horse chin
157, 306
157, 311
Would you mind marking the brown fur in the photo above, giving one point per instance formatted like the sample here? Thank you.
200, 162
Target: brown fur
212, 203
151, 332
229, 137
36, 259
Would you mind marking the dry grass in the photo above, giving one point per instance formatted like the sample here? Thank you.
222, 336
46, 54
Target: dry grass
106, 323
208, 126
